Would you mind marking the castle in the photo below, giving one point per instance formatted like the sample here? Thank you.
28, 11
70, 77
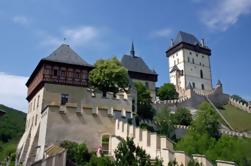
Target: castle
62, 106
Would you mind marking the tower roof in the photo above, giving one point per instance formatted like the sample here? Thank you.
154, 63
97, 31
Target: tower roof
64, 54
186, 38
175, 68
136, 64
187, 41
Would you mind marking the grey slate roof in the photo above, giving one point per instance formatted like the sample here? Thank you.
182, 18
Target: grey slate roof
65, 54
186, 38
135, 64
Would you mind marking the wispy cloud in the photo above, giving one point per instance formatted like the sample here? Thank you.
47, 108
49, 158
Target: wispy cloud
21, 20
79, 36
225, 13
13, 91
163, 33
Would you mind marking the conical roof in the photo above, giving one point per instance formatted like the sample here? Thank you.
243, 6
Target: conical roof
64, 54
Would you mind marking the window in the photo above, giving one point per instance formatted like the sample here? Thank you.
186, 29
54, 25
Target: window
188, 59
193, 60
85, 75
202, 87
193, 85
200, 63
105, 144
174, 62
178, 61
202, 56
196, 55
77, 74
38, 97
182, 72
55, 72
201, 74
62, 73
190, 53
64, 99
176, 54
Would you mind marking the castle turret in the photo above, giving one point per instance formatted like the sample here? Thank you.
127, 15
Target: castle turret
189, 62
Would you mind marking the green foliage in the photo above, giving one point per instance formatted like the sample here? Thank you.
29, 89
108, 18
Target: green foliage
167, 92
182, 116
100, 161
12, 124
238, 119
145, 109
164, 121
225, 148
195, 143
240, 99
109, 76
207, 120
12, 127
129, 154
147, 127
77, 153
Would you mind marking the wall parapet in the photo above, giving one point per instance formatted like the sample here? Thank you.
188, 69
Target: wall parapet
155, 145
240, 105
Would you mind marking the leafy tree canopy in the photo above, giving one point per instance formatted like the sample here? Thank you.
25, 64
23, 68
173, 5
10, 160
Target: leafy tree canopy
164, 121
182, 116
109, 76
206, 120
144, 107
167, 92
129, 154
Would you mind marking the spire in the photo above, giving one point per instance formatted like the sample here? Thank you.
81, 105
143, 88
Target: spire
132, 50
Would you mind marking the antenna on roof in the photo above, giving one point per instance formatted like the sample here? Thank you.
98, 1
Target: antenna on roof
132, 50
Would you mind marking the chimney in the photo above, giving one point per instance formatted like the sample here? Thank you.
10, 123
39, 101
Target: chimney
202, 42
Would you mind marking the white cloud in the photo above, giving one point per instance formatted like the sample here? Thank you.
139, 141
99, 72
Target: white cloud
80, 36
22, 20
161, 33
13, 91
225, 13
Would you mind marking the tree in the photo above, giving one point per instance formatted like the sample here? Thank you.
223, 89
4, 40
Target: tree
167, 92
182, 116
109, 76
100, 161
206, 120
164, 122
144, 107
129, 154
77, 153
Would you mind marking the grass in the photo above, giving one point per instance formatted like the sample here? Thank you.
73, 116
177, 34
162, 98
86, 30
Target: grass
238, 119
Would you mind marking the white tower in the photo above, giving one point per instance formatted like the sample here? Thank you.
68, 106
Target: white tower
189, 63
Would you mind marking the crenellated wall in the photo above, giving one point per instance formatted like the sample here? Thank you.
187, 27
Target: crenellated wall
154, 145
240, 105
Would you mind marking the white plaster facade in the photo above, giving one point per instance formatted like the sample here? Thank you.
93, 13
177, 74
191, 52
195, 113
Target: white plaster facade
194, 68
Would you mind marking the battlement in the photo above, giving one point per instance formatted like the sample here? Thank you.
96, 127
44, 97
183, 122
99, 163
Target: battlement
240, 105
155, 145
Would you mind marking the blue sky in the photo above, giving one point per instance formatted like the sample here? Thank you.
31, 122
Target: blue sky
32, 29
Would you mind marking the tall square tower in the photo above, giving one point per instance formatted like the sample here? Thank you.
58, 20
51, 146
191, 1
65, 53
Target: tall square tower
189, 63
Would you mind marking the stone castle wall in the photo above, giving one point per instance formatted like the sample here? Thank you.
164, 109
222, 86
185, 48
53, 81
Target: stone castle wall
240, 105
154, 145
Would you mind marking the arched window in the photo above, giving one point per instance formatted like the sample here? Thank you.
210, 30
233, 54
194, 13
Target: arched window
193, 60
201, 74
